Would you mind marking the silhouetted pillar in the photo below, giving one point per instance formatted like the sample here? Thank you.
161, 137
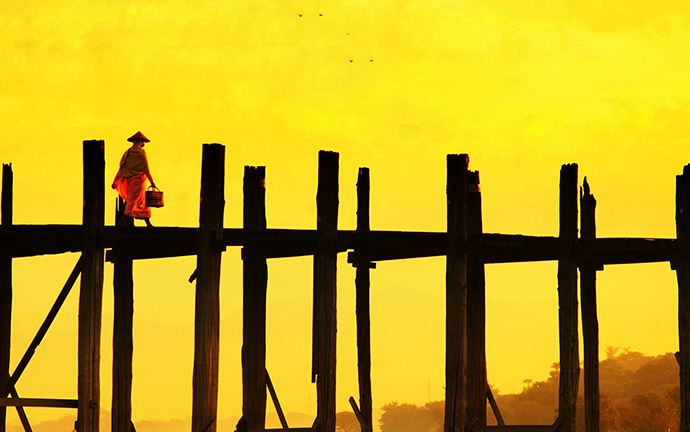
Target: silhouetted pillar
5, 290
590, 322
456, 294
682, 267
91, 293
207, 302
324, 323
123, 343
567, 300
255, 281
362, 282
476, 310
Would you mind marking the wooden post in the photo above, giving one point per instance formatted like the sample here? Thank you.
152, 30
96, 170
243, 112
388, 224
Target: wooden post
456, 294
123, 345
255, 283
590, 323
476, 311
567, 300
5, 290
682, 267
207, 308
91, 292
362, 309
324, 323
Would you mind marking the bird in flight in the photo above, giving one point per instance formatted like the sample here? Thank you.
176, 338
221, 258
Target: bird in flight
350, 61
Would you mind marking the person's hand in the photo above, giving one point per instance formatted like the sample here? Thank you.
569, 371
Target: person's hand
112, 185
153, 185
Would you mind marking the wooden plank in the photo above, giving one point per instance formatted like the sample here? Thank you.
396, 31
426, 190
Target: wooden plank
324, 323
123, 342
494, 407
163, 242
255, 282
207, 304
682, 267
476, 311
358, 413
31, 240
590, 323
276, 402
567, 299
456, 295
362, 307
46, 403
91, 293
5, 288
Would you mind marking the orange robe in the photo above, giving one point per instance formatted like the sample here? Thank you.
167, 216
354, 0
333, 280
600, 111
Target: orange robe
130, 182
133, 191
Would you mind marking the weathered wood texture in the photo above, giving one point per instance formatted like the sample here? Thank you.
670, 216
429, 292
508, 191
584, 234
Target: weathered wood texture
5, 289
324, 321
567, 299
362, 307
91, 292
456, 294
123, 344
590, 322
207, 307
682, 266
255, 281
476, 311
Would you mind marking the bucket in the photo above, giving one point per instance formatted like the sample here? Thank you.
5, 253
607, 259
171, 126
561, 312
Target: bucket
154, 197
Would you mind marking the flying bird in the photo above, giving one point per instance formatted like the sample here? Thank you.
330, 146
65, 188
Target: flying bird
300, 14
320, 14
350, 61
371, 60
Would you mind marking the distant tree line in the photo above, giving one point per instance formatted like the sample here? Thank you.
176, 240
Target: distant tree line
638, 394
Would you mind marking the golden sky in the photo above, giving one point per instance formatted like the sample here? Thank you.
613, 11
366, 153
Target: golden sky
522, 86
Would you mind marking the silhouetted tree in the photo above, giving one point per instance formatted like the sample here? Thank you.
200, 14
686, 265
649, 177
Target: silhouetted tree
346, 421
649, 412
412, 418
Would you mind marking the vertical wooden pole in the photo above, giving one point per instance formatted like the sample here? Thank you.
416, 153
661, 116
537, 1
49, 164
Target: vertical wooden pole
324, 324
91, 292
5, 290
254, 302
682, 267
567, 300
123, 345
207, 304
362, 309
590, 323
456, 294
476, 310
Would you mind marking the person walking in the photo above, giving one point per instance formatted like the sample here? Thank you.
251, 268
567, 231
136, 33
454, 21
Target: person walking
130, 182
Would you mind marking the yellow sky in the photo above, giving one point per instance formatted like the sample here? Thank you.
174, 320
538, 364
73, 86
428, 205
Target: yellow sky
522, 86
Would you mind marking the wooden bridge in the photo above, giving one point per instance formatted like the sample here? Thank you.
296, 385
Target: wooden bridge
466, 247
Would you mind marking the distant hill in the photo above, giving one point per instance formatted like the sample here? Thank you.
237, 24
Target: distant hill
638, 394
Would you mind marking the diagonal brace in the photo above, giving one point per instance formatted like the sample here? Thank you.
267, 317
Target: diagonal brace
44, 328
